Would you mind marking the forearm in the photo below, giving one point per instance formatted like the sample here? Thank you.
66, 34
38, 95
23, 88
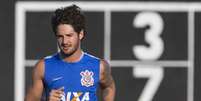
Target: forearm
33, 95
31, 98
109, 93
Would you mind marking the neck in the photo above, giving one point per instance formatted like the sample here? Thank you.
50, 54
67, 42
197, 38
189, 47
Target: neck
75, 57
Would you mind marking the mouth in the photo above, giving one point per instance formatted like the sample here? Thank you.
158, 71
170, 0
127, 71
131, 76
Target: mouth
65, 47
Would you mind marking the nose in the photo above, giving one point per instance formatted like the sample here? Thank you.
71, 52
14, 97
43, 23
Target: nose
65, 40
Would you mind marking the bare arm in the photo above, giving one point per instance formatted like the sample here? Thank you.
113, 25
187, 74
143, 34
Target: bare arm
106, 82
36, 89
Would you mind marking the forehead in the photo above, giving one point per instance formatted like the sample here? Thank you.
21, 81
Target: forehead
65, 29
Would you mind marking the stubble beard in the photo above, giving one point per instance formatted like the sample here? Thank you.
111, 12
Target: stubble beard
69, 51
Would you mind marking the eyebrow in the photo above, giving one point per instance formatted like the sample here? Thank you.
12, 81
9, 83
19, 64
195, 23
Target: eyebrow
66, 33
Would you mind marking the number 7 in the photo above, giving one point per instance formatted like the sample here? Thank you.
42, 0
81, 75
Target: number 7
154, 75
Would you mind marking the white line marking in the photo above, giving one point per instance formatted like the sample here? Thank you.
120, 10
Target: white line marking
19, 76
107, 35
112, 6
190, 79
31, 63
169, 64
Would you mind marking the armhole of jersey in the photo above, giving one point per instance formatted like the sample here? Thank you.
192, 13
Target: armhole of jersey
99, 74
46, 59
44, 94
46, 62
44, 68
99, 70
45, 90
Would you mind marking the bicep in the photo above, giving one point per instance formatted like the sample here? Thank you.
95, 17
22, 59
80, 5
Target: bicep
37, 85
36, 88
105, 74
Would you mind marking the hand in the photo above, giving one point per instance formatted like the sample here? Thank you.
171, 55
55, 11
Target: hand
56, 94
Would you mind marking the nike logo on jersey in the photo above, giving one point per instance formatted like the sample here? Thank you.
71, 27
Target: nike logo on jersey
57, 78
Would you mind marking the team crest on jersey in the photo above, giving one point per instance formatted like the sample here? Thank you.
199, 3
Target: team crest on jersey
87, 78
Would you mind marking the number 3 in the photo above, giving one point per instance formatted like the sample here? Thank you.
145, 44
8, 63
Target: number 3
152, 36
153, 52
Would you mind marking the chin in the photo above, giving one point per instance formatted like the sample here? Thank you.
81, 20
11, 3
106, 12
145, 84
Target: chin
67, 53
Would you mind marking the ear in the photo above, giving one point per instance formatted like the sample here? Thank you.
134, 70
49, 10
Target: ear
81, 35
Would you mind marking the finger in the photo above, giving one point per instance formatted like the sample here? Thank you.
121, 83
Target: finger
61, 88
56, 93
59, 91
55, 97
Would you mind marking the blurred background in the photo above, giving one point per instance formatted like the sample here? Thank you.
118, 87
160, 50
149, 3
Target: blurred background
153, 46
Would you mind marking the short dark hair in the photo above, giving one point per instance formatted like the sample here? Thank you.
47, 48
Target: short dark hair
71, 15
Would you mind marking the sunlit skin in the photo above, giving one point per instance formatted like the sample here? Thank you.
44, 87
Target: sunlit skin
69, 42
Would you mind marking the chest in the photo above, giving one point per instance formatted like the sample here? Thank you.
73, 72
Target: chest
73, 77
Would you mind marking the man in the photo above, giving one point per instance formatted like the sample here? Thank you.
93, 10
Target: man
71, 74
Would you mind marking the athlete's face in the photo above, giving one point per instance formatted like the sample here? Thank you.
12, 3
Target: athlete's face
68, 39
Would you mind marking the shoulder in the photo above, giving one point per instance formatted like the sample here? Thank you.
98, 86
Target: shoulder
106, 78
90, 56
50, 57
104, 68
40, 64
104, 64
39, 68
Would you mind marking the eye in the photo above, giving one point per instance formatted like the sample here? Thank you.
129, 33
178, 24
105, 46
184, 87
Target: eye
59, 36
69, 35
